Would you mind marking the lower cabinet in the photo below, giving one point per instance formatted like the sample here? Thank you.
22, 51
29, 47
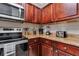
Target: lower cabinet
61, 53
47, 50
46, 47
40, 47
33, 49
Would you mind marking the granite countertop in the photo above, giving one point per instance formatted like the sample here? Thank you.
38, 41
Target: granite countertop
72, 40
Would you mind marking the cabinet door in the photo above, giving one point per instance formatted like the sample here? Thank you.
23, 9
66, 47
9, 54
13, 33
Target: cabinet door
47, 50
29, 12
58, 52
37, 15
65, 10
62, 53
33, 49
48, 14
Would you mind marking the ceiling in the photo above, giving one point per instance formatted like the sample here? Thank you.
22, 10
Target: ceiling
40, 5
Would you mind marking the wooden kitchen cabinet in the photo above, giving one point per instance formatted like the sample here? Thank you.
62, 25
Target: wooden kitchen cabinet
62, 53
33, 49
37, 15
47, 50
46, 47
58, 52
65, 11
69, 49
51, 13
39, 47
29, 12
48, 14
32, 13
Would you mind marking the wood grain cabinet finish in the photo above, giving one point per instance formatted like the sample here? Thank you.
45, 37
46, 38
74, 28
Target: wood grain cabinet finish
69, 49
46, 47
61, 53
47, 50
37, 15
51, 13
33, 49
73, 50
41, 48
65, 11
48, 14
29, 12
32, 14
33, 40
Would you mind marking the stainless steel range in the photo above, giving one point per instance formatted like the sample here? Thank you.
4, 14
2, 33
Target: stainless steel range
10, 34
7, 37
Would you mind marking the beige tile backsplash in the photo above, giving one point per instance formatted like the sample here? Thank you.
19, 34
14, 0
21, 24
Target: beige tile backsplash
11, 24
72, 27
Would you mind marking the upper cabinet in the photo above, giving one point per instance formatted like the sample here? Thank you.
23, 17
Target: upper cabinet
48, 13
65, 10
51, 13
37, 15
29, 11
32, 13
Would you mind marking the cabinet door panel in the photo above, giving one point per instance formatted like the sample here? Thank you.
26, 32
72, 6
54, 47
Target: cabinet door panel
47, 14
73, 50
37, 15
58, 52
61, 53
29, 12
47, 50
33, 50
65, 10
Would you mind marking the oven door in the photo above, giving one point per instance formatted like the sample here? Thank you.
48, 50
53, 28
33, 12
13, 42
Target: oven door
9, 49
1, 51
22, 49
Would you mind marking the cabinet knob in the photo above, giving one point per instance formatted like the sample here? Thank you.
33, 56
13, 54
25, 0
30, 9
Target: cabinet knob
56, 51
65, 48
29, 47
51, 48
46, 41
34, 40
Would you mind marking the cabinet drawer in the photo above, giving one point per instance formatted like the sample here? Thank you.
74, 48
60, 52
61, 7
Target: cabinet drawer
31, 41
61, 46
73, 50
49, 42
